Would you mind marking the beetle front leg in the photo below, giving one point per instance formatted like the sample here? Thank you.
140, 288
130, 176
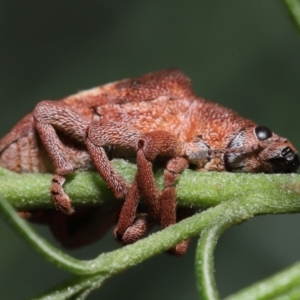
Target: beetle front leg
171, 173
161, 206
151, 145
168, 200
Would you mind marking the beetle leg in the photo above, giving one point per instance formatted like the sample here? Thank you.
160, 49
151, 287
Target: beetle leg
49, 117
161, 206
132, 225
111, 133
128, 212
150, 145
168, 199
168, 206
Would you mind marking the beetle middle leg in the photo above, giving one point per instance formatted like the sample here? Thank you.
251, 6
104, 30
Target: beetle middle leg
132, 225
161, 207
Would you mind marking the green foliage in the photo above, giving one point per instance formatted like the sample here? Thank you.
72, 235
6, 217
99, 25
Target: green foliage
229, 198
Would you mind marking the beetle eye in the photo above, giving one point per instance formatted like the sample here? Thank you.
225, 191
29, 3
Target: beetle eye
263, 133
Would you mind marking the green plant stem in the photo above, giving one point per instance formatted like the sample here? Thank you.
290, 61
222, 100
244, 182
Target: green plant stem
283, 283
39, 244
79, 286
293, 8
205, 263
234, 212
229, 199
116, 261
204, 189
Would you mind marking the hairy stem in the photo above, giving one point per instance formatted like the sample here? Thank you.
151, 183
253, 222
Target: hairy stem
285, 283
234, 212
203, 189
228, 199
75, 288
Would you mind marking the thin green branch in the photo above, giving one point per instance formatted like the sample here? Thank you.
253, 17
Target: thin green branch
39, 244
79, 286
230, 198
116, 261
234, 212
286, 282
204, 189
205, 263
293, 8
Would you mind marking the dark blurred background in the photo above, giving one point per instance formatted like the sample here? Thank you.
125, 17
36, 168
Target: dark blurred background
243, 54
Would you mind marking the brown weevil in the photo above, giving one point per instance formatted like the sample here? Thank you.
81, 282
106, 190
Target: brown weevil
156, 117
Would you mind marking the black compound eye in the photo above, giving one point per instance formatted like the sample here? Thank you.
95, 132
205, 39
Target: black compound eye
262, 132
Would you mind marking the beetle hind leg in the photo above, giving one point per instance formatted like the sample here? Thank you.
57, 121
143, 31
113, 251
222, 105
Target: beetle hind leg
51, 116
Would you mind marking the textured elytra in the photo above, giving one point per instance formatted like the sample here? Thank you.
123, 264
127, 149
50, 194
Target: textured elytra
153, 117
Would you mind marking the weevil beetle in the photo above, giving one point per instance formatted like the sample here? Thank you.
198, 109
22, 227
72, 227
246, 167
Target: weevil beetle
153, 117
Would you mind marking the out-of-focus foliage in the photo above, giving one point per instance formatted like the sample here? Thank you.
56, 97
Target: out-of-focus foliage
244, 55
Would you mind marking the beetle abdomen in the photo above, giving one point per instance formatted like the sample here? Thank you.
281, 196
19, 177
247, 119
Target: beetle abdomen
26, 154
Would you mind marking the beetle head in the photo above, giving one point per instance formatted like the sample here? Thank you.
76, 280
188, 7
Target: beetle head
257, 149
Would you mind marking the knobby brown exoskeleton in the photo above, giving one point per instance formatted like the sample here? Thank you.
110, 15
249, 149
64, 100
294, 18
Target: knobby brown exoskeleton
156, 117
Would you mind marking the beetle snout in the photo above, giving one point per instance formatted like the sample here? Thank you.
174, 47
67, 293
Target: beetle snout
287, 161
